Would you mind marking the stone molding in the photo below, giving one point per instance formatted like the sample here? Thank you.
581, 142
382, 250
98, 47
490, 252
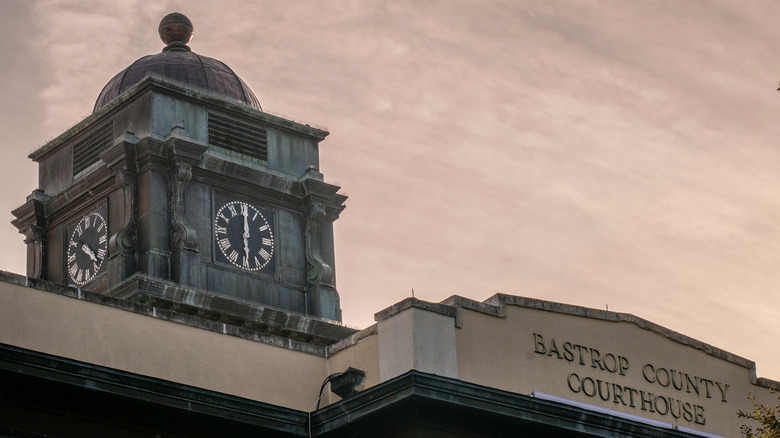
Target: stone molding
266, 330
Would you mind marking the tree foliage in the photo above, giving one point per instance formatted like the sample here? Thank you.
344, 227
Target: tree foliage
768, 416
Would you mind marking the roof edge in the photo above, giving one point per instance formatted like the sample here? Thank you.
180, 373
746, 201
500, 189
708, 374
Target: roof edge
496, 306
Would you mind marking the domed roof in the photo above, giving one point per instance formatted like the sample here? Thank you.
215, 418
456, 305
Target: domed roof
178, 63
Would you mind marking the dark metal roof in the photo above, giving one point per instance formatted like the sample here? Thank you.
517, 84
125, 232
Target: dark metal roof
185, 67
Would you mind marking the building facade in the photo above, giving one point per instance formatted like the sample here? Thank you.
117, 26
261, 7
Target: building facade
181, 282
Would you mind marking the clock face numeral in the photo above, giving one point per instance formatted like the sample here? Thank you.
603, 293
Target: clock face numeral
264, 254
87, 248
244, 237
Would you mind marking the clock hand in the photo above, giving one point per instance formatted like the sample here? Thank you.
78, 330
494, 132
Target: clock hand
88, 251
245, 213
246, 225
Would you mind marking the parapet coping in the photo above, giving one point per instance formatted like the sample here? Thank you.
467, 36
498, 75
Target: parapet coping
353, 339
496, 306
164, 314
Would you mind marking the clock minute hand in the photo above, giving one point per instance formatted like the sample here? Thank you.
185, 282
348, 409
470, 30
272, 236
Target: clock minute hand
245, 213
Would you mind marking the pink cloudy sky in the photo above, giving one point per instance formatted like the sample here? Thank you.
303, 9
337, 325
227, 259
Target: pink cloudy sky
603, 153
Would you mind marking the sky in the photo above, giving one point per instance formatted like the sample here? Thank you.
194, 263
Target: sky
606, 154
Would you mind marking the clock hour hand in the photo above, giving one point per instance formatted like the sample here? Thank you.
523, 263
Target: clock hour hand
88, 251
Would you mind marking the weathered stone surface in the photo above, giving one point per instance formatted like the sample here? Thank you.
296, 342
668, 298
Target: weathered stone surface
241, 313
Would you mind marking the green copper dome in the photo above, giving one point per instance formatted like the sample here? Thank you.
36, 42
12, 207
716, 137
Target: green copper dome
179, 64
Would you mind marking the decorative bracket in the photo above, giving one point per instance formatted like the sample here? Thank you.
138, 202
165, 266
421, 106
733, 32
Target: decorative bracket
317, 270
123, 245
182, 156
31, 222
323, 205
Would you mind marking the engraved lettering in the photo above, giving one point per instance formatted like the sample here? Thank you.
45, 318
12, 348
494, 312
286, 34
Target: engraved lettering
647, 403
609, 357
595, 361
698, 415
539, 344
665, 380
658, 405
687, 411
679, 409
623, 365
567, 353
553, 349
604, 394
651, 374
617, 391
592, 392
691, 383
723, 390
570, 384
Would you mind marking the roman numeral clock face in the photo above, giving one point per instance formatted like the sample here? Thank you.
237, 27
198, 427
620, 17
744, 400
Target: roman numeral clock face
87, 248
244, 237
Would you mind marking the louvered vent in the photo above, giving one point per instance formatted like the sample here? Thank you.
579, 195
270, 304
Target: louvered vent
88, 150
238, 136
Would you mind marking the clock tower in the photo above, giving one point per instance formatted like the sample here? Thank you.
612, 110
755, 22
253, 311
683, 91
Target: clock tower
180, 191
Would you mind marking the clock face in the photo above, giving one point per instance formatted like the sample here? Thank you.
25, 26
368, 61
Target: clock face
244, 236
87, 248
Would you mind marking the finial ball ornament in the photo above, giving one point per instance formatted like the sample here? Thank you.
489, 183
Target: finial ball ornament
175, 27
